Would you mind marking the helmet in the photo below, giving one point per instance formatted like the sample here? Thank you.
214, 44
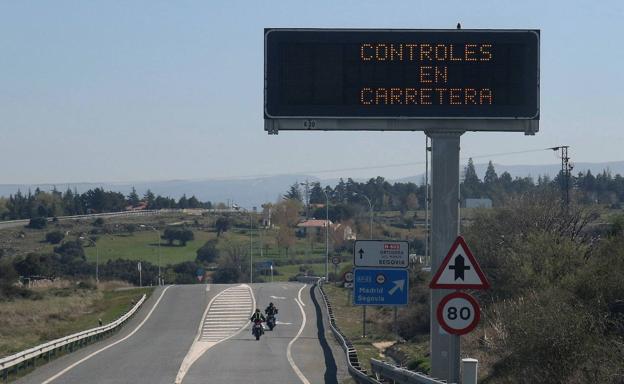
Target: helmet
257, 309
270, 304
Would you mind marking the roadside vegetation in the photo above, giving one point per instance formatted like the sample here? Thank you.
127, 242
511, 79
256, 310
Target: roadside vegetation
47, 313
555, 312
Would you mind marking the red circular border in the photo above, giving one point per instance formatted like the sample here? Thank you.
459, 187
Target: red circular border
455, 295
344, 277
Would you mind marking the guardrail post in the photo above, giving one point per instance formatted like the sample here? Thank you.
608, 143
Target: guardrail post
469, 371
5, 375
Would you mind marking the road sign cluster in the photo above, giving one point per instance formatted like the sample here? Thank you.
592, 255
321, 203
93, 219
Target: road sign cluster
380, 276
458, 313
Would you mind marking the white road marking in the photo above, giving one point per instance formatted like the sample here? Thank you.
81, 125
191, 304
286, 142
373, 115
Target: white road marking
299, 295
207, 287
298, 372
219, 324
110, 345
277, 297
280, 323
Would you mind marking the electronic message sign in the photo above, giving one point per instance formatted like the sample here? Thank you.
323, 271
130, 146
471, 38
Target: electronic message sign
401, 74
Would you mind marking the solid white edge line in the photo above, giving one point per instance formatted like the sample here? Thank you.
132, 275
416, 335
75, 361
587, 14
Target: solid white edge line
298, 372
109, 345
299, 295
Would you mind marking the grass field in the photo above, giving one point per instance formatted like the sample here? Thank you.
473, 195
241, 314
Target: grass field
26, 323
143, 245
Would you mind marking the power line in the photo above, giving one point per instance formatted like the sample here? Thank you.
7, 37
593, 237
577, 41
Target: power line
369, 167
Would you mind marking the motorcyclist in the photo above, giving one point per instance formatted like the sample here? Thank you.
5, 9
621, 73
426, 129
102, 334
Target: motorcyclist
257, 317
271, 310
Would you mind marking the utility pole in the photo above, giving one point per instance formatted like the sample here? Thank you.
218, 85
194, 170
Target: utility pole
566, 169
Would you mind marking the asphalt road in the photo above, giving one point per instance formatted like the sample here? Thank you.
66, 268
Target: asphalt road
180, 328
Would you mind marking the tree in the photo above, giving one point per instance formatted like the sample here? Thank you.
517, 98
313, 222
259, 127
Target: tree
285, 238
294, 193
133, 198
186, 235
490, 175
222, 225
182, 235
208, 253
286, 213
150, 199
316, 194
472, 184
54, 237
411, 202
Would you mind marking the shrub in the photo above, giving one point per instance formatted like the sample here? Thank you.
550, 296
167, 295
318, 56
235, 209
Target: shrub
208, 253
37, 223
54, 237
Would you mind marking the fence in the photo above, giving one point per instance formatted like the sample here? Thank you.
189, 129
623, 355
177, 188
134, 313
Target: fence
68, 343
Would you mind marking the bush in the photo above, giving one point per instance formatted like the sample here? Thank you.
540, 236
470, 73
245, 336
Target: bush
99, 222
54, 237
552, 338
222, 224
226, 276
208, 253
37, 223
182, 235
71, 250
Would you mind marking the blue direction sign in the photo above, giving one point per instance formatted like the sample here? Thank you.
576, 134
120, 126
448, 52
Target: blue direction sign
383, 286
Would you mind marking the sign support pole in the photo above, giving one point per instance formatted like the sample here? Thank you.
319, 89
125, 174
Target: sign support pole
444, 229
396, 325
364, 321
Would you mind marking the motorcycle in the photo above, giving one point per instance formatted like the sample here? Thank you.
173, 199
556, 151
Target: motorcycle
271, 322
257, 330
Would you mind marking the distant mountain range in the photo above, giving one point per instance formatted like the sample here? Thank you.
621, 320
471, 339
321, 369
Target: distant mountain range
250, 192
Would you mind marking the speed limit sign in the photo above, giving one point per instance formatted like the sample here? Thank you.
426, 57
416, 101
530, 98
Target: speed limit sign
348, 276
458, 313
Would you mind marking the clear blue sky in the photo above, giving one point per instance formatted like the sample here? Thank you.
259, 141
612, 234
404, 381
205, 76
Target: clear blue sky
156, 90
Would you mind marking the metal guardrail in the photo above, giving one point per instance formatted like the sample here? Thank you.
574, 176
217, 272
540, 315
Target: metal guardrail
71, 341
354, 367
398, 375
384, 372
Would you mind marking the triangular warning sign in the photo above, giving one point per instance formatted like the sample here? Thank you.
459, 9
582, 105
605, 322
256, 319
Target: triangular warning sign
459, 270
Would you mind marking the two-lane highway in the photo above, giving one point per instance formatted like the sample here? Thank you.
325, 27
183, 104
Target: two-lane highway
199, 334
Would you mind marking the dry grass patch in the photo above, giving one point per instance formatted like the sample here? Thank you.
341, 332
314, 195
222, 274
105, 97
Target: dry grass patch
25, 323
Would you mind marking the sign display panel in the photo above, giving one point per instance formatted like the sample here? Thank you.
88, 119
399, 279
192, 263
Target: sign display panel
381, 253
389, 286
401, 74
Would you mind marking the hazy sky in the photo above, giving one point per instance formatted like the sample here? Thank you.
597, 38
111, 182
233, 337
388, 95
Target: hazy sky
158, 90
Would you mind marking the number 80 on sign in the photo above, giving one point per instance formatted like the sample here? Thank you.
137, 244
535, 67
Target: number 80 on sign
458, 313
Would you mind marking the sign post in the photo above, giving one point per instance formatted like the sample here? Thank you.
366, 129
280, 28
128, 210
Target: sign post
442, 82
336, 262
381, 276
454, 313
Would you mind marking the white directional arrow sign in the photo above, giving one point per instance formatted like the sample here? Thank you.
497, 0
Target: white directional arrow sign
398, 284
381, 254
277, 297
